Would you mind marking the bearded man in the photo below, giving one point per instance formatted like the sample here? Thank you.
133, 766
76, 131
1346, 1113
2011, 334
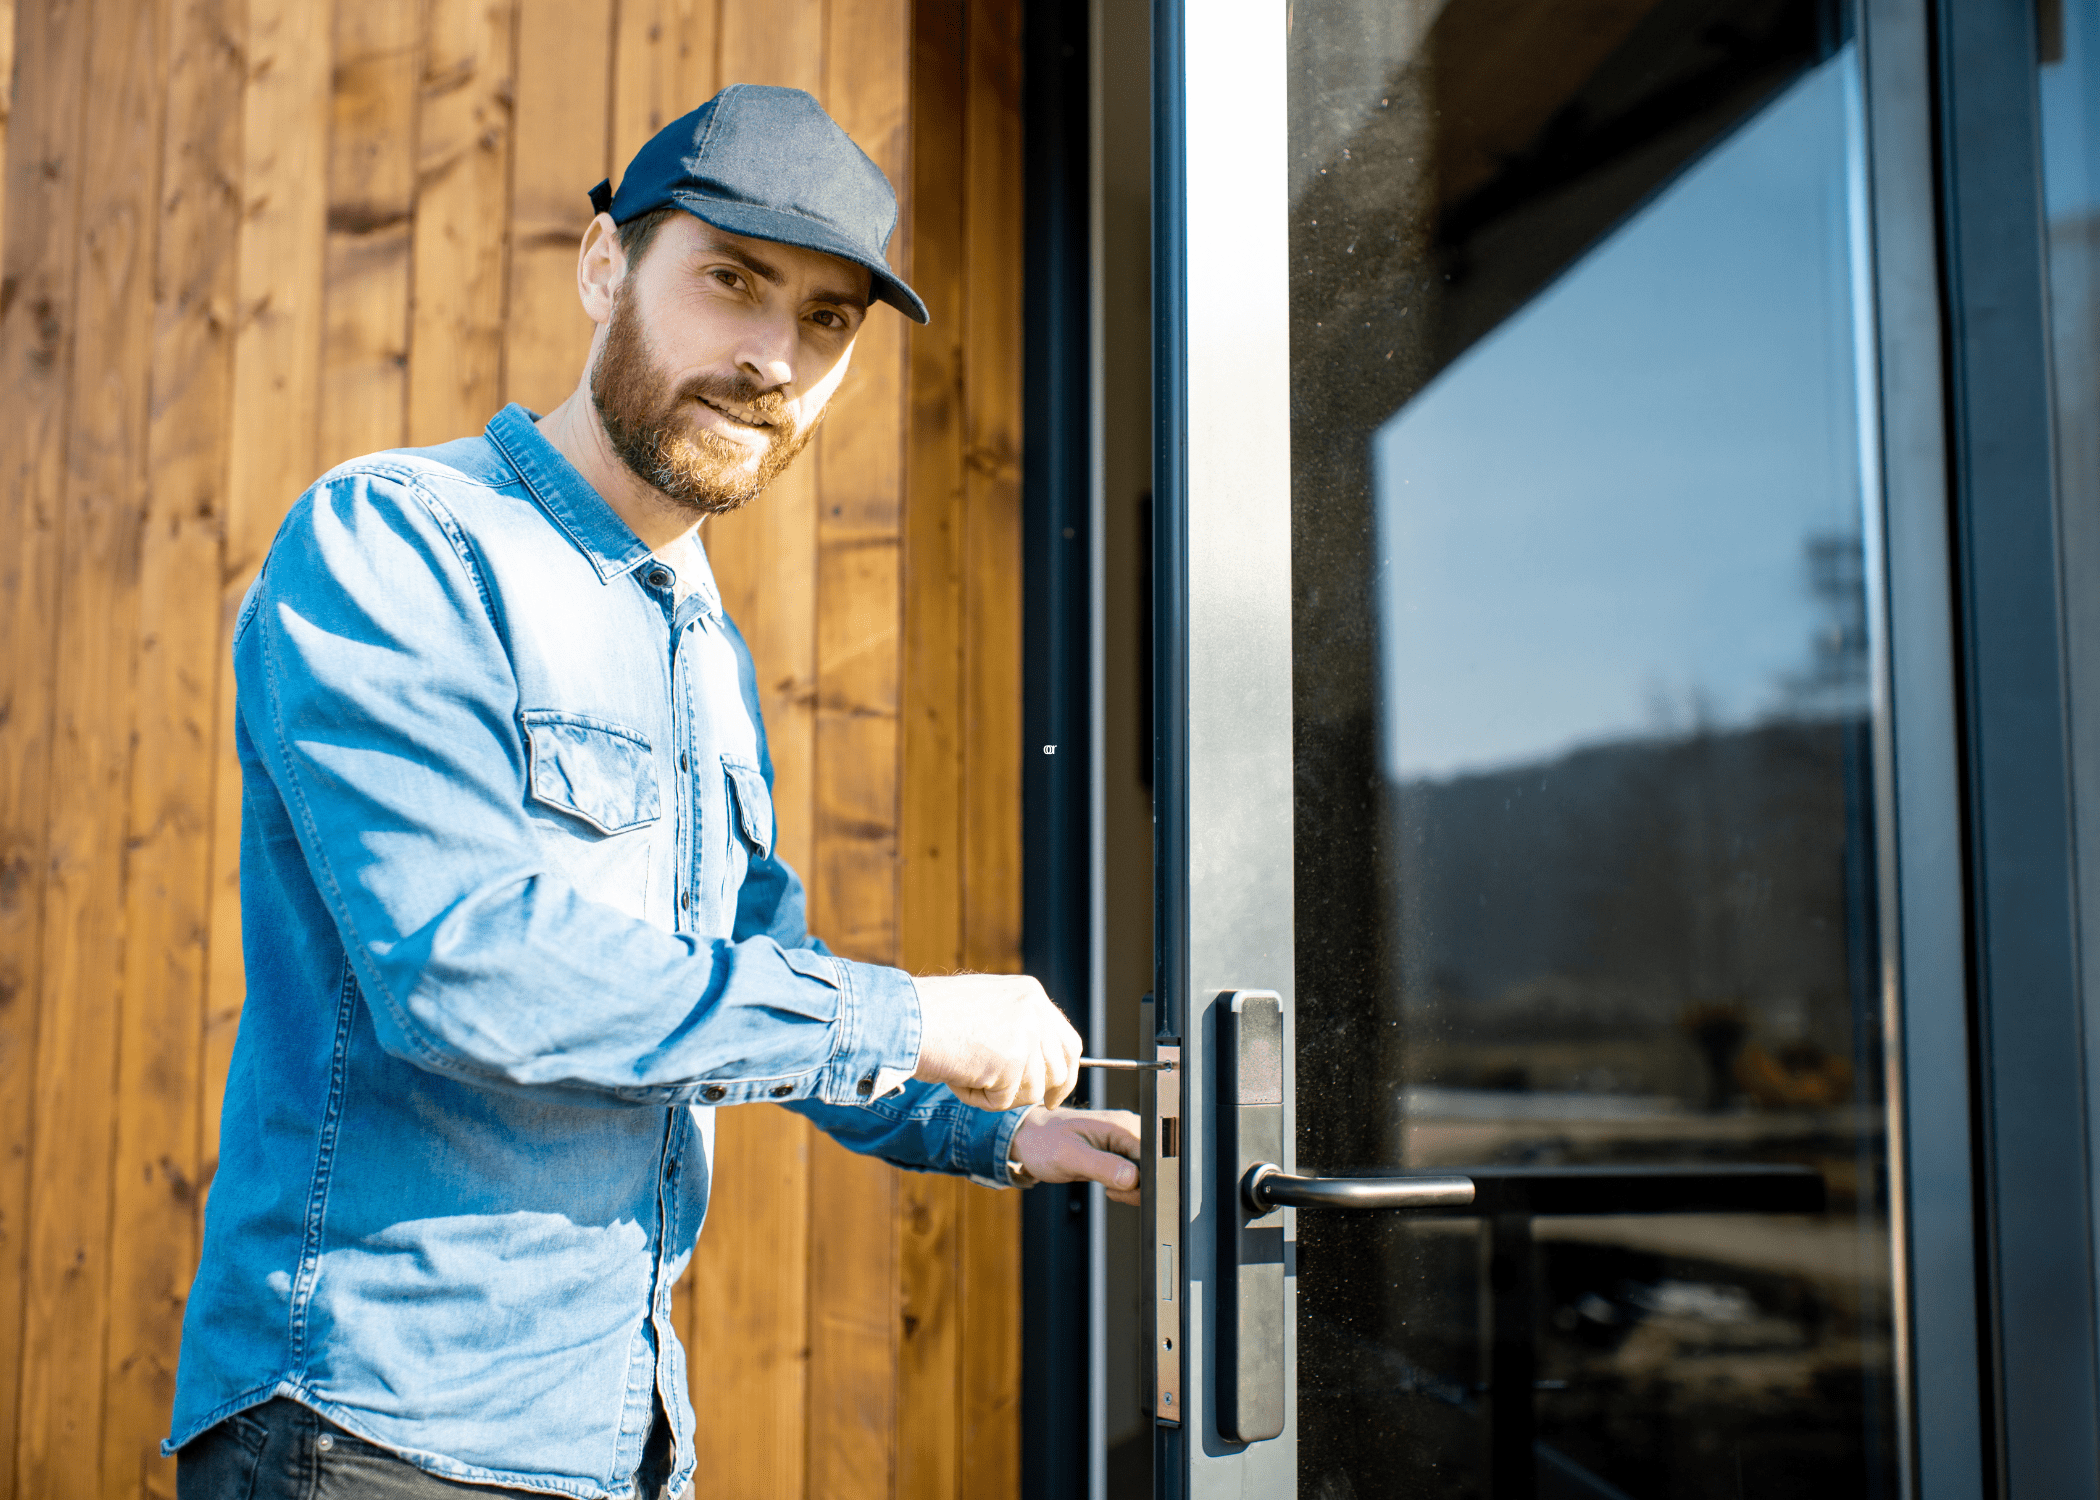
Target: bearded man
514, 923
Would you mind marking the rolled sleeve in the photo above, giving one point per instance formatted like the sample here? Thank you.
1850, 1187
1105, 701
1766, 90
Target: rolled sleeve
924, 1128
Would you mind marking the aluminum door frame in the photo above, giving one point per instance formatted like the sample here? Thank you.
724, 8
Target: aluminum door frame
2035, 1255
1917, 780
1222, 670
1223, 773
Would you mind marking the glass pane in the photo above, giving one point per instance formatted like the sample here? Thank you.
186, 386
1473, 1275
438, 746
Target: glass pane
2070, 97
1583, 708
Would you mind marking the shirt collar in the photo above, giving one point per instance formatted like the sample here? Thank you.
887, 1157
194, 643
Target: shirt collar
594, 526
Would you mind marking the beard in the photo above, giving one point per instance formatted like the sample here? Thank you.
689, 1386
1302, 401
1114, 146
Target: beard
648, 422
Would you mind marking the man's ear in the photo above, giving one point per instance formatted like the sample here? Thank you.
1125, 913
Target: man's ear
600, 265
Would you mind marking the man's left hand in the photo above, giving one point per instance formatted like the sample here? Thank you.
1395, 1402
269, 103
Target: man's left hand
1081, 1145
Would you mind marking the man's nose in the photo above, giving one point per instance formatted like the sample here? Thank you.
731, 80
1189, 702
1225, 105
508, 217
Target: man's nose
768, 355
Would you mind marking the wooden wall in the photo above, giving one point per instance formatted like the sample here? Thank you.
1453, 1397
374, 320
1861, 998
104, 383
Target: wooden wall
244, 239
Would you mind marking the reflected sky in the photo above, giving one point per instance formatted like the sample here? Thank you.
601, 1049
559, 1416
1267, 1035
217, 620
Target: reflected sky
1595, 524
2071, 117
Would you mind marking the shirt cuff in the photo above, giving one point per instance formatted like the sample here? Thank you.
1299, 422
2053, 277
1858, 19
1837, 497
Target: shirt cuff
991, 1152
879, 1029
889, 1079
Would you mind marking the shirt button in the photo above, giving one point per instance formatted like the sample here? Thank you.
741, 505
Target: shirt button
781, 1090
866, 1086
659, 578
682, 764
324, 1442
685, 900
714, 1093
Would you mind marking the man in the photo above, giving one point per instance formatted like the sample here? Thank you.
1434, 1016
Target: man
514, 920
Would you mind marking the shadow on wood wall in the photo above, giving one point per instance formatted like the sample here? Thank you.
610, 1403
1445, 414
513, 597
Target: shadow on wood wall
247, 239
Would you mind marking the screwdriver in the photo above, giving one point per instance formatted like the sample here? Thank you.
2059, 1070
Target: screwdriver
1125, 1064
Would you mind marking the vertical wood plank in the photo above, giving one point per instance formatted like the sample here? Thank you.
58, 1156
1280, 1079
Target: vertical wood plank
852, 1411
748, 1351
564, 54
991, 1270
462, 201
663, 67
780, 43
853, 894
63, 1399
7, 99
992, 375
931, 1397
929, 1411
990, 1293
175, 669
931, 813
45, 173
371, 208
272, 429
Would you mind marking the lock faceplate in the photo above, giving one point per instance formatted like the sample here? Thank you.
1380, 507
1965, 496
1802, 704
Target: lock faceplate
1162, 1204
1252, 1305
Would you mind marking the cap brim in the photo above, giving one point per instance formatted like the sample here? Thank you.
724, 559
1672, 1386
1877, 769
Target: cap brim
808, 234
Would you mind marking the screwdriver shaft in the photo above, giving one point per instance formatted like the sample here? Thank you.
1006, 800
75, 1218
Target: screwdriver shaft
1124, 1064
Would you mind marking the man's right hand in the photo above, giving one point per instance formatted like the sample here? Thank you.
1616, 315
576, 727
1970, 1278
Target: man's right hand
996, 1040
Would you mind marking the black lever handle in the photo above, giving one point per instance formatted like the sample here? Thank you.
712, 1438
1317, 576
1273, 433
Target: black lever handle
1268, 1186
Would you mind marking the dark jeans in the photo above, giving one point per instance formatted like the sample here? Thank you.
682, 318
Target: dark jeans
284, 1451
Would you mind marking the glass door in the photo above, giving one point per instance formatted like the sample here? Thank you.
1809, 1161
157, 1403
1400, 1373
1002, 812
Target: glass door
1526, 840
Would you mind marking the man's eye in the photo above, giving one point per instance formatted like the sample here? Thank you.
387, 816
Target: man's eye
729, 278
828, 319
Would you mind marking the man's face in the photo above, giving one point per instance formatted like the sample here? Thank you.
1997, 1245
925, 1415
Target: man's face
719, 359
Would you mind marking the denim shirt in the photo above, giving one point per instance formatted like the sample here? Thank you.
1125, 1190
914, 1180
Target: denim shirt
514, 927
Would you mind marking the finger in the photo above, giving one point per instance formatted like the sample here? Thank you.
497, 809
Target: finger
1059, 1070
1115, 1130
1074, 1047
1010, 1084
1001, 1094
1082, 1163
1038, 1080
1064, 1053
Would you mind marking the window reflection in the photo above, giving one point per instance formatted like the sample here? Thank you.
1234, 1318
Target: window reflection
1624, 658
1585, 814
1634, 507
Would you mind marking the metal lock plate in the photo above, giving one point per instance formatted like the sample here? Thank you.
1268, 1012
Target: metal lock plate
1162, 1212
1252, 1304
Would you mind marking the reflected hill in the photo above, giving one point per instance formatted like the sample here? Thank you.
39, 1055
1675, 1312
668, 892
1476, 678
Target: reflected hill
1635, 918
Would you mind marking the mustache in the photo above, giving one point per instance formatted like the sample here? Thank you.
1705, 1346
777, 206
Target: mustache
742, 396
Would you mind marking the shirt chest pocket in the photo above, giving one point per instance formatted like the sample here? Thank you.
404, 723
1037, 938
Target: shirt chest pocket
600, 779
750, 804
592, 770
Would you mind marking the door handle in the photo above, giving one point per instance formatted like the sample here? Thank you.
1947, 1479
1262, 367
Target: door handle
1253, 1299
1267, 1186
1252, 1303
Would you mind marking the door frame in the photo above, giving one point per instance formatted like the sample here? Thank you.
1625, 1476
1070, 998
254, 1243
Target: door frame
1991, 1200
1222, 774
2039, 1422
